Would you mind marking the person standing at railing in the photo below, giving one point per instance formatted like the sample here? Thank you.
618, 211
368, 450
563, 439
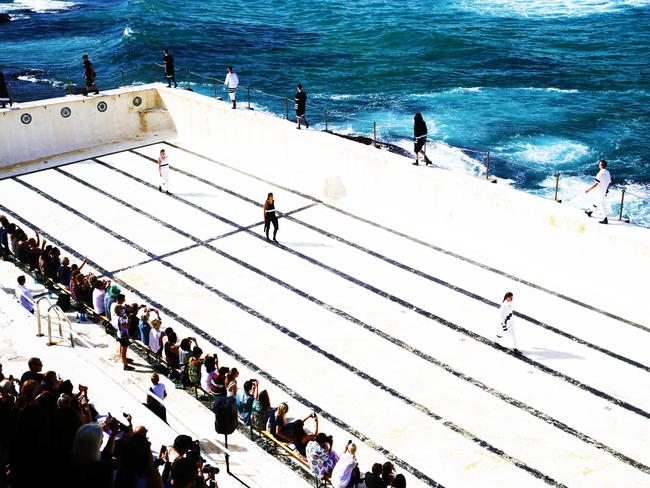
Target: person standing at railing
603, 182
232, 83
170, 73
89, 74
300, 100
270, 217
506, 325
163, 171
4, 93
420, 138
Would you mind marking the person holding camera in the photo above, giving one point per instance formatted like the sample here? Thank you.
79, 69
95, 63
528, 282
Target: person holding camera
300, 437
346, 473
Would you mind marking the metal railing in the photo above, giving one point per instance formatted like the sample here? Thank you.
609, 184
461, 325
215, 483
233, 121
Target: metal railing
59, 315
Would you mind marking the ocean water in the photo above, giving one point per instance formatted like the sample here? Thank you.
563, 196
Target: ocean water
545, 85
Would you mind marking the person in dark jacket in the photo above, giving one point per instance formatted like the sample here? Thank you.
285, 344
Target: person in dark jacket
4, 93
89, 74
420, 137
300, 100
168, 60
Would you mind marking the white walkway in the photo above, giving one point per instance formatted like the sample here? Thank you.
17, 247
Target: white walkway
389, 340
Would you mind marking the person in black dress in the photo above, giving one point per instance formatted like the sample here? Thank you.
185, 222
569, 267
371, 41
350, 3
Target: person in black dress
420, 137
170, 74
300, 100
270, 217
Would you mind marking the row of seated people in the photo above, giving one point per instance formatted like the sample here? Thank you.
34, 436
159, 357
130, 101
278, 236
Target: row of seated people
189, 367
52, 435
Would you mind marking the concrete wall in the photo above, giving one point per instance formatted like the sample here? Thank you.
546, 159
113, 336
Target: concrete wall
49, 134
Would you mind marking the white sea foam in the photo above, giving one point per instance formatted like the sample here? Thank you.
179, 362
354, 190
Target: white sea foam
128, 32
548, 8
34, 79
37, 6
542, 150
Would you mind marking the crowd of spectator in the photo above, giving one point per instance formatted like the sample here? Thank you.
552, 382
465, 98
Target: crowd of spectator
52, 435
189, 367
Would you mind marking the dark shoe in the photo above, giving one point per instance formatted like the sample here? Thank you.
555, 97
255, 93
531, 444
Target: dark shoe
128, 368
160, 188
298, 127
416, 163
268, 239
168, 192
129, 360
517, 352
275, 240
306, 125
604, 221
589, 212
169, 86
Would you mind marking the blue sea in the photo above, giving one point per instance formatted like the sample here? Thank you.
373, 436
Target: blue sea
545, 85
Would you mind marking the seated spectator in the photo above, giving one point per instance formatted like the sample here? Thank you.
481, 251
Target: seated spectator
231, 382
4, 236
400, 481
34, 373
278, 423
194, 363
346, 473
244, 398
155, 337
171, 348
261, 410
319, 456
299, 437
90, 467
23, 295
99, 293
135, 463
373, 478
208, 370
63, 273
157, 392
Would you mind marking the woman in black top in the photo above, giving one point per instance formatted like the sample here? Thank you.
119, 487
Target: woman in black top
420, 137
270, 217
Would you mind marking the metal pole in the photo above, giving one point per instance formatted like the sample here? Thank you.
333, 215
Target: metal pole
487, 166
49, 330
286, 107
214, 82
620, 215
557, 184
374, 134
248, 91
39, 332
325, 120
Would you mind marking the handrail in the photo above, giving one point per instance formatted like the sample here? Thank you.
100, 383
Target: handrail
37, 313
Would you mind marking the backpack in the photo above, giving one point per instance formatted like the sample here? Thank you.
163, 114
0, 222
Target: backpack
64, 302
225, 415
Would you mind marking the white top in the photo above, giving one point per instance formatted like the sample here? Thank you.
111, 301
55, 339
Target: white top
604, 179
154, 339
159, 390
163, 160
205, 379
25, 297
232, 80
343, 471
114, 317
98, 300
506, 312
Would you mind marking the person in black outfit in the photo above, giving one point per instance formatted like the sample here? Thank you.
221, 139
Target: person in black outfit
4, 93
89, 74
420, 136
168, 59
270, 217
300, 100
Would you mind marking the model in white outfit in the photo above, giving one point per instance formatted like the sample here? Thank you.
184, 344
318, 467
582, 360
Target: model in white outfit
163, 171
232, 83
506, 333
602, 184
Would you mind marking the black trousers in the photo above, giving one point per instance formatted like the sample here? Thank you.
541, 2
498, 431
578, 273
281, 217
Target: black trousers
267, 226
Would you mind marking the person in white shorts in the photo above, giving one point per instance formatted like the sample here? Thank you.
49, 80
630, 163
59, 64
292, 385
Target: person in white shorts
506, 324
232, 83
163, 171
603, 182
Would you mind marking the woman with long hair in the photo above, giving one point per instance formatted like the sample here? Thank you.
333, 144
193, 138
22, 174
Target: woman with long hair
420, 138
506, 325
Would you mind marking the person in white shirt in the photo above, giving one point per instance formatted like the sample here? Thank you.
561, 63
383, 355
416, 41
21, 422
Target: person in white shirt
99, 293
155, 336
346, 473
232, 83
506, 324
163, 171
603, 182
23, 295
157, 392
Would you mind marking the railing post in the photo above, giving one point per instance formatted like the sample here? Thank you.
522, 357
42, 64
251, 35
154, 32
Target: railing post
487, 165
39, 332
214, 82
286, 107
325, 120
620, 214
123, 77
557, 186
248, 94
49, 330
374, 134
69, 87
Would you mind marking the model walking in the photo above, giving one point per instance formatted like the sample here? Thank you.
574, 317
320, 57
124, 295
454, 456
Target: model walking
300, 100
603, 182
89, 74
420, 138
163, 171
232, 83
270, 217
170, 72
4, 93
506, 326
